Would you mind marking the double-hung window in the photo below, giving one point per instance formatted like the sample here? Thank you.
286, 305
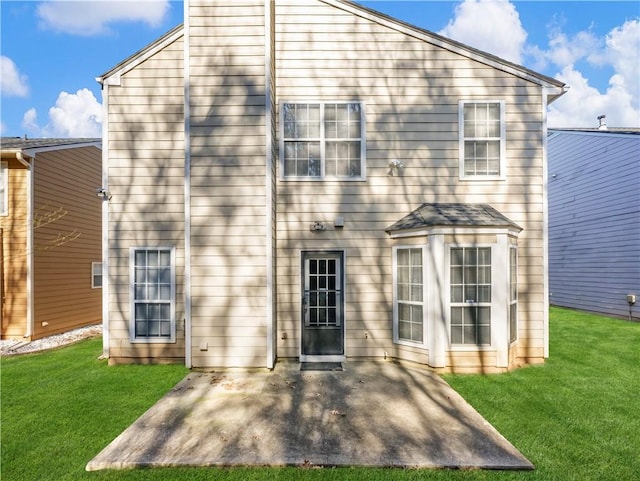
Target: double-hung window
153, 294
409, 295
4, 188
482, 140
322, 140
96, 275
470, 295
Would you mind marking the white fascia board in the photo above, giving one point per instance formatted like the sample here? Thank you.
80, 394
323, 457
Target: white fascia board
442, 42
33, 152
112, 77
453, 230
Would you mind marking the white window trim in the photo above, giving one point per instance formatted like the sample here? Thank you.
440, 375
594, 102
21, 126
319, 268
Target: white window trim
4, 178
322, 177
132, 328
513, 301
447, 296
461, 140
425, 283
94, 265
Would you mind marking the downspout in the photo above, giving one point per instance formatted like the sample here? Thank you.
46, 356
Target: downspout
545, 226
268, 102
30, 254
187, 192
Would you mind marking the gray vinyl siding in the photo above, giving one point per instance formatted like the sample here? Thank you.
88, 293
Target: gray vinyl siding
228, 188
146, 180
410, 91
594, 220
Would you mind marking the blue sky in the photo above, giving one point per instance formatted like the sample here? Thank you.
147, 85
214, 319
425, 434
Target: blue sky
53, 50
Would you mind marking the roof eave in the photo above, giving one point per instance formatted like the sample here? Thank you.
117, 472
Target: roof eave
112, 77
427, 230
449, 44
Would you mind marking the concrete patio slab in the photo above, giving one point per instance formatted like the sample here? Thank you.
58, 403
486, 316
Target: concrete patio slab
368, 414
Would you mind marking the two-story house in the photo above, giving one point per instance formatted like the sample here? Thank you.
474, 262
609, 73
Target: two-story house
313, 180
50, 236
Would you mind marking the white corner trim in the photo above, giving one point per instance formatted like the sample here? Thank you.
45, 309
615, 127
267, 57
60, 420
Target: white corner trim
268, 100
187, 193
106, 335
545, 227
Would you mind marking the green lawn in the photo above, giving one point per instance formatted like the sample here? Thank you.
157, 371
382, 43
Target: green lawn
576, 418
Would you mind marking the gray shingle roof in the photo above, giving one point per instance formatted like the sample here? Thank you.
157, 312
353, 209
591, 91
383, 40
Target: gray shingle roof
21, 143
455, 215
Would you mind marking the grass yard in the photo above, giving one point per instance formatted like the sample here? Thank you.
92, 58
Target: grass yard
576, 418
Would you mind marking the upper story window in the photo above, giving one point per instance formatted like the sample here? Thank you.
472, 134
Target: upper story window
4, 188
323, 140
482, 140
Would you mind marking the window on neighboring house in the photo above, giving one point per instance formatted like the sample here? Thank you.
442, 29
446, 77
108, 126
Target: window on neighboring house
152, 273
482, 140
96, 275
409, 295
322, 140
470, 296
4, 188
513, 294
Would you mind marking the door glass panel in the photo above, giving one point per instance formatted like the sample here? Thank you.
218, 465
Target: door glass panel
322, 293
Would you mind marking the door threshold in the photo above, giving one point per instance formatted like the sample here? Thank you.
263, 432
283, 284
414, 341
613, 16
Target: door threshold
334, 358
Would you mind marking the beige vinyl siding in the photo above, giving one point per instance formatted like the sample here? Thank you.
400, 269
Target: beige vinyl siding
228, 189
67, 232
14, 253
146, 181
410, 90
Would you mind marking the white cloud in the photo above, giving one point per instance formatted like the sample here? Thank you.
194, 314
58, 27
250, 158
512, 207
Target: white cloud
486, 25
74, 115
565, 50
91, 17
12, 82
30, 122
581, 106
620, 50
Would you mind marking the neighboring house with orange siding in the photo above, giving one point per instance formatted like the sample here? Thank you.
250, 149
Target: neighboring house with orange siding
313, 180
50, 231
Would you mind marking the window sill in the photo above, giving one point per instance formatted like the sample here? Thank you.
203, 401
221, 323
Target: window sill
163, 340
417, 345
470, 348
483, 178
320, 179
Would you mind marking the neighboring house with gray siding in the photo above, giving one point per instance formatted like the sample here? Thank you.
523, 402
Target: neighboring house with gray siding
313, 180
594, 219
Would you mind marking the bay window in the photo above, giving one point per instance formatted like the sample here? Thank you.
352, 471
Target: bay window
470, 295
409, 307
